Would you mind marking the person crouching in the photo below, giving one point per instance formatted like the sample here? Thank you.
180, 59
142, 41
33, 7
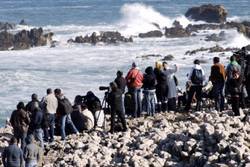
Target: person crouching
115, 101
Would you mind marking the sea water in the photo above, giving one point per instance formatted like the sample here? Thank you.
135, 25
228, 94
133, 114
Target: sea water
78, 68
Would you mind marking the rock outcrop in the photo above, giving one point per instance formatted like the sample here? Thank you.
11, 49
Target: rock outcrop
24, 39
151, 34
213, 49
176, 31
215, 37
6, 26
209, 13
109, 37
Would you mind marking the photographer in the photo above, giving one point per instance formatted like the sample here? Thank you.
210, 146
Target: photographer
115, 101
94, 105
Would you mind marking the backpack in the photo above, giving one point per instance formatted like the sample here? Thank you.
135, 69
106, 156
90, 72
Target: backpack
66, 106
197, 77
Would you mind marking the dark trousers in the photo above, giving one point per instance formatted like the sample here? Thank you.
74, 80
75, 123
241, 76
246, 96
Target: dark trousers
235, 100
172, 104
121, 117
21, 137
49, 132
218, 96
197, 91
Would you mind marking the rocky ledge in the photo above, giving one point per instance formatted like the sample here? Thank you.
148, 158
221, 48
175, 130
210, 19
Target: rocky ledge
109, 37
207, 138
24, 39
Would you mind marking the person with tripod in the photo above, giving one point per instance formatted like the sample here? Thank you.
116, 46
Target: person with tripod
115, 101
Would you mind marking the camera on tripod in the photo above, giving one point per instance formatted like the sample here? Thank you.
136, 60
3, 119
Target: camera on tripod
102, 88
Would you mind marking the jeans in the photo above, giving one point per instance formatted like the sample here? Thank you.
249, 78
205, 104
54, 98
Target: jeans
67, 118
197, 90
22, 137
38, 134
218, 96
32, 163
136, 95
50, 133
149, 96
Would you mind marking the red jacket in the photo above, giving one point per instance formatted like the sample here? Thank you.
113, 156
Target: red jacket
134, 78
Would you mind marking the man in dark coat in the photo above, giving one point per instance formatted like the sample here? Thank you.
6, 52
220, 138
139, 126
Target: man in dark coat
20, 122
37, 121
64, 110
115, 101
218, 77
12, 155
121, 84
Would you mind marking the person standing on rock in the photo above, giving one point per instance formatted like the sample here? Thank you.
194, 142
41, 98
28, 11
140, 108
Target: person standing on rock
218, 77
64, 110
172, 93
233, 65
134, 80
121, 84
196, 78
32, 153
161, 87
12, 155
115, 101
149, 83
20, 122
50, 107
36, 124
234, 85
30, 107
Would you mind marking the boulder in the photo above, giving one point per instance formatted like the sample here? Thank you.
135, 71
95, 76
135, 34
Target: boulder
209, 13
6, 40
168, 58
6, 26
176, 31
215, 37
151, 34
24, 39
109, 37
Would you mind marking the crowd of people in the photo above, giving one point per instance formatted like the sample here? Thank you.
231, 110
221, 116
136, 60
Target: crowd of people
153, 91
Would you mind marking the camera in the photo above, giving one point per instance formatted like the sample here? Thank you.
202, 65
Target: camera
107, 88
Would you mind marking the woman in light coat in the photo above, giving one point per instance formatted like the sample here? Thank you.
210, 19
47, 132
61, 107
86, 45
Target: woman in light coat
172, 92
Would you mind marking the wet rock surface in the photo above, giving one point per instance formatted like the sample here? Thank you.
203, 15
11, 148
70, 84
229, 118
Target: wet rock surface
168, 139
209, 13
177, 31
151, 34
24, 39
213, 49
109, 37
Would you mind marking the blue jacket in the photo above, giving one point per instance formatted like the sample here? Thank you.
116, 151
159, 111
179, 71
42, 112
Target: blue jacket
12, 156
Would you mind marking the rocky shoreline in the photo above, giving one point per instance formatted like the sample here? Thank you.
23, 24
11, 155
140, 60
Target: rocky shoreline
214, 15
207, 138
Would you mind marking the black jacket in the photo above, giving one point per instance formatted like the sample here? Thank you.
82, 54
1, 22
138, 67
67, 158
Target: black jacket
115, 100
64, 106
37, 120
121, 83
149, 80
